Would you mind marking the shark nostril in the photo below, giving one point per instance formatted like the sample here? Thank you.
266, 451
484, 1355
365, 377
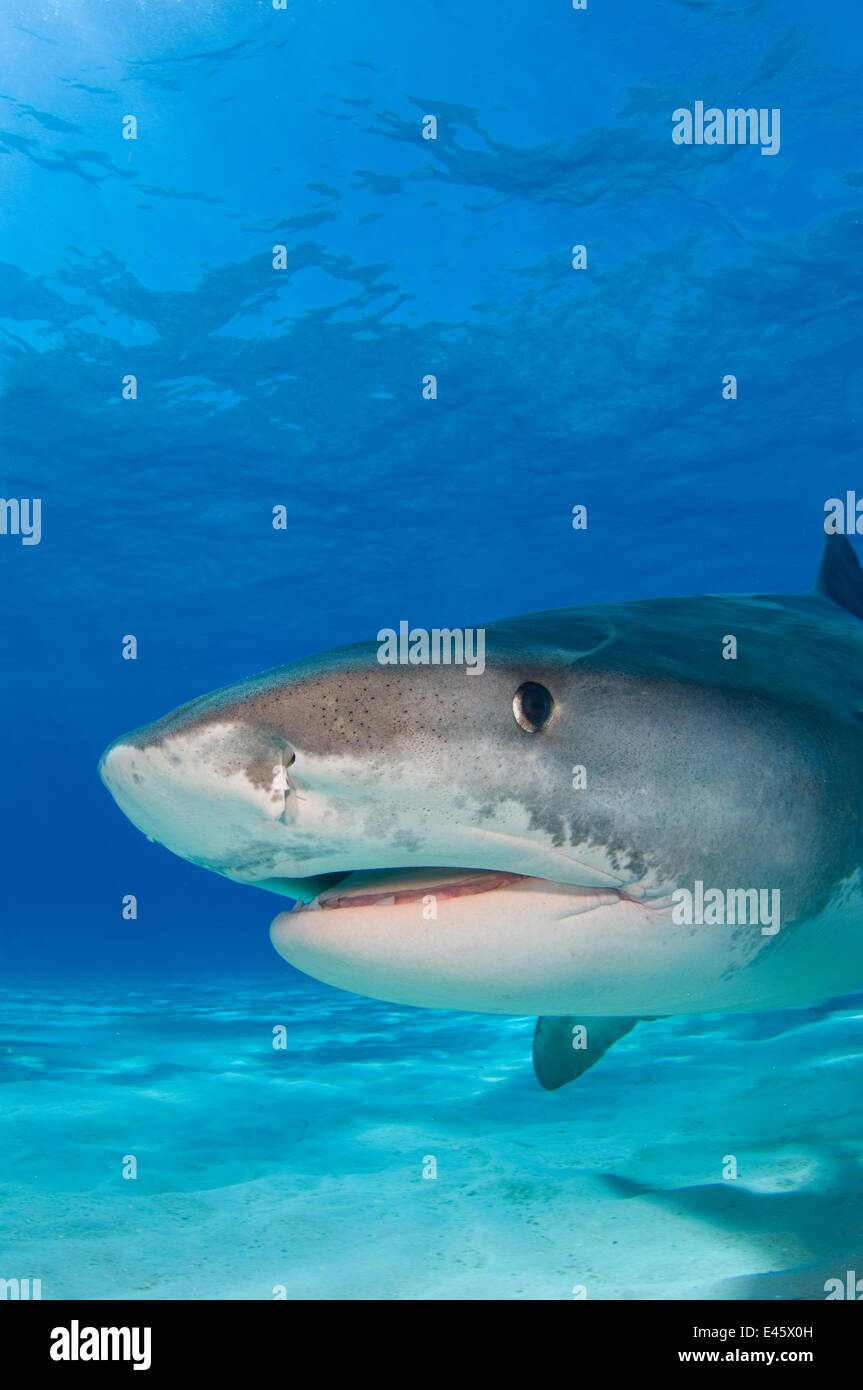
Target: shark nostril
281, 782
284, 784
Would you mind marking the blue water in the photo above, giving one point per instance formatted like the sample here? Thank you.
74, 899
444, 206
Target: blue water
302, 1168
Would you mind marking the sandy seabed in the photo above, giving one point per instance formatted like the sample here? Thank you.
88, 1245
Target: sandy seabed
299, 1171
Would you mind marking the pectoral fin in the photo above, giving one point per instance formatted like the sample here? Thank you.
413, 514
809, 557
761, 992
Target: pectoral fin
565, 1047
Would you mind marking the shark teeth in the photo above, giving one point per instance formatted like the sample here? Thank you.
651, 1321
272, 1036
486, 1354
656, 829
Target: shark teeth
417, 885
382, 888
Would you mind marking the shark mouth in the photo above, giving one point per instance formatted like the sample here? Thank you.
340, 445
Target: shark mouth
385, 888
391, 887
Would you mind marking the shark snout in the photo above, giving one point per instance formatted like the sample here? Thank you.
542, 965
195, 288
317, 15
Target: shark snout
216, 793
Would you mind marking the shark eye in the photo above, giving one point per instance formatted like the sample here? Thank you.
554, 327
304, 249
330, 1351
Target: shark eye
532, 706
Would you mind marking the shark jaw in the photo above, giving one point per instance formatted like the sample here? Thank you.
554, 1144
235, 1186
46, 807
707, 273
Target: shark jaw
473, 939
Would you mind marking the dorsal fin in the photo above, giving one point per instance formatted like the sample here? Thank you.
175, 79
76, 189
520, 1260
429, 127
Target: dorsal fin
840, 577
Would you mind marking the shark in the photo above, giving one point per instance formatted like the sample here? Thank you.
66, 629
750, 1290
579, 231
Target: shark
525, 840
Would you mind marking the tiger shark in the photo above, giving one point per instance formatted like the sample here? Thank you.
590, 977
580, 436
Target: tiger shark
526, 841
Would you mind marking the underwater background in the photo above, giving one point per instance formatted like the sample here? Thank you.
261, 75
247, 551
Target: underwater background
300, 1170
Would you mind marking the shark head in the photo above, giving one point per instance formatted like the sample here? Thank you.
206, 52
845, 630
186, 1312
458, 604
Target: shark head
402, 803
511, 839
